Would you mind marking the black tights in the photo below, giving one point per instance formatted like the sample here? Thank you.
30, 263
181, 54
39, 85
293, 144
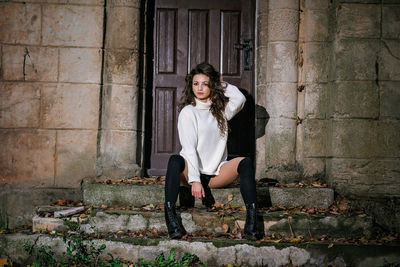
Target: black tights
176, 166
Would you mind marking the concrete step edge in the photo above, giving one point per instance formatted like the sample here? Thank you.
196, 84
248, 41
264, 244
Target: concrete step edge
103, 221
217, 252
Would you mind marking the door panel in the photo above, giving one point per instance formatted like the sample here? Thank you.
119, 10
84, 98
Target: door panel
188, 32
230, 35
166, 36
198, 37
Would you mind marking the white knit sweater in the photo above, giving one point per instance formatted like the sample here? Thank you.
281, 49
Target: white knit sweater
203, 147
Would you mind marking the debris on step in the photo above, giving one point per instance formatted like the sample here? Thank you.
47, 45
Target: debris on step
68, 212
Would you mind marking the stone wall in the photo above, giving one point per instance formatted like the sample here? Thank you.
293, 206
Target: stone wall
50, 85
61, 80
333, 67
364, 128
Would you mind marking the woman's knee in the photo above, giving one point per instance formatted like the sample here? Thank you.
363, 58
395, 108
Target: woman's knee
176, 162
245, 164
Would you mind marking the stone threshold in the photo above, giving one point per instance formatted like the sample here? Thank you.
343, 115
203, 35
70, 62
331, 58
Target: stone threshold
96, 194
218, 252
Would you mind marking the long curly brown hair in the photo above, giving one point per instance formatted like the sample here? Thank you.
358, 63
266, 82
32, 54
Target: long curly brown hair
217, 97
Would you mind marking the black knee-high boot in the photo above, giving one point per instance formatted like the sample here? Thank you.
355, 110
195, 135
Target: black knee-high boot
176, 165
248, 191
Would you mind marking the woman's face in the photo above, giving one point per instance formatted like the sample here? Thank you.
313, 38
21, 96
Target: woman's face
201, 87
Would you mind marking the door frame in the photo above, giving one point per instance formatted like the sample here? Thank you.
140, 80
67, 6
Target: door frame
147, 108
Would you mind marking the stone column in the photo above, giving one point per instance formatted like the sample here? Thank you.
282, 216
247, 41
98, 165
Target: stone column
120, 94
315, 78
276, 86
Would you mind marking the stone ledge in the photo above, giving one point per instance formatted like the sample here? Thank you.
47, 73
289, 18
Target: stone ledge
113, 221
127, 195
218, 252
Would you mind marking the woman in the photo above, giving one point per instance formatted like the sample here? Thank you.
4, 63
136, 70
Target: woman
207, 105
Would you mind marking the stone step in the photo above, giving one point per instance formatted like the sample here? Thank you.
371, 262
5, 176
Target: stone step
97, 194
194, 220
217, 252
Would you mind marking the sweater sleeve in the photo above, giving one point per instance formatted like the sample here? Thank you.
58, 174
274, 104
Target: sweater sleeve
236, 101
187, 130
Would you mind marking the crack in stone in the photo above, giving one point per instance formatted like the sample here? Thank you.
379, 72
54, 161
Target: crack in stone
390, 51
26, 56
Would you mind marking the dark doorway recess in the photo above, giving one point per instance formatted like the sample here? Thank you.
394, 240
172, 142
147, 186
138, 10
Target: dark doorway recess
183, 33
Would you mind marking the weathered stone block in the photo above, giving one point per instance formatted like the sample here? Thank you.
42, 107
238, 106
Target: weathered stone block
316, 4
389, 139
126, 3
87, 2
20, 23
280, 141
80, 65
269, 256
389, 99
316, 25
316, 62
262, 67
105, 222
309, 197
64, 104
40, 224
282, 62
281, 99
356, 59
123, 27
348, 142
120, 104
73, 2
30, 63
72, 25
260, 156
263, 7
283, 4
27, 157
361, 1
315, 138
3, 207
391, 22
19, 105
262, 30
389, 63
355, 100
365, 177
118, 153
22, 203
314, 167
122, 67
225, 255
76, 157
316, 101
355, 20
283, 25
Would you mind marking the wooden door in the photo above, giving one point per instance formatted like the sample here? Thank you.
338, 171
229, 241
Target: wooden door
188, 32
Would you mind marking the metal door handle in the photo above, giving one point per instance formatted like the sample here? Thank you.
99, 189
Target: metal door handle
246, 55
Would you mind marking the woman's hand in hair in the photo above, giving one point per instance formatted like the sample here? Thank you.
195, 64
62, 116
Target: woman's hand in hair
197, 190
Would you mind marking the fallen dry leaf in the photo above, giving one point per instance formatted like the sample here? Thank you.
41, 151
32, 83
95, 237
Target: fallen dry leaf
230, 198
330, 245
225, 228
